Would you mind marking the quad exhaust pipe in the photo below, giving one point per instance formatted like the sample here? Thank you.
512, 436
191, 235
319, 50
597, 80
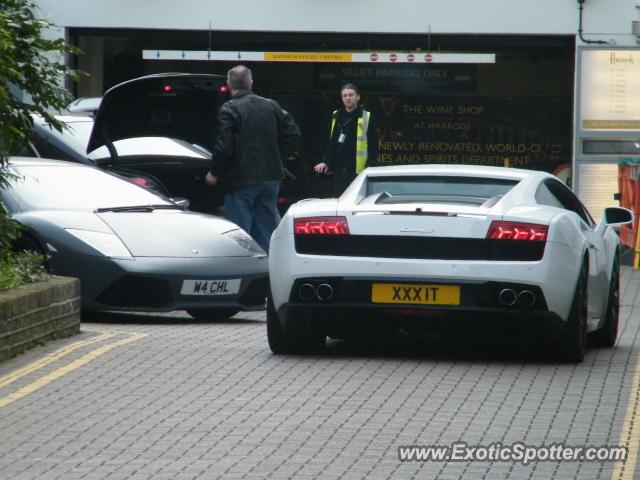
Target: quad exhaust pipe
509, 297
308, 292
324, 292
526, 299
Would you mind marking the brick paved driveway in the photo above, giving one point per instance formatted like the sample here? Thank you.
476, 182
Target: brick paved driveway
196, 400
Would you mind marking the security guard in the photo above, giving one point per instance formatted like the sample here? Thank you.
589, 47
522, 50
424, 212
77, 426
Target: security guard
353, 141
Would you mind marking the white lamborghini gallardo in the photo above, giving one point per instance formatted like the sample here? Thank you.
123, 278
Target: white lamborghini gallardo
422, 249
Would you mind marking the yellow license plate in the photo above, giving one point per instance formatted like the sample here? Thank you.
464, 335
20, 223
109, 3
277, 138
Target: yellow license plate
417, 294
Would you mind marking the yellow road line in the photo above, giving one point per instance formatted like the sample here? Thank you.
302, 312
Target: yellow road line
60, 372
57, 355
630, 434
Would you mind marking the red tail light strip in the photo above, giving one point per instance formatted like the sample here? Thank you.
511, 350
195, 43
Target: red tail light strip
534, 232
321, 226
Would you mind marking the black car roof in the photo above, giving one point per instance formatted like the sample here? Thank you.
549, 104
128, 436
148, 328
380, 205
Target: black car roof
175, 105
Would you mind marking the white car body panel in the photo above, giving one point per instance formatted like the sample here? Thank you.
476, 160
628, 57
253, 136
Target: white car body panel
556, 273
554, 287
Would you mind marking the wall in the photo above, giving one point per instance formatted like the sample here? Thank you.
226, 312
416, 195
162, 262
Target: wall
36, 313
604, 18
607, 20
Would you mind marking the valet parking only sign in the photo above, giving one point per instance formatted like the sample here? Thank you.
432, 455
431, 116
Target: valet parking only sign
405, 78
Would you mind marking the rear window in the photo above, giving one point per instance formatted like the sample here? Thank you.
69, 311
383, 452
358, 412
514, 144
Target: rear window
437, 189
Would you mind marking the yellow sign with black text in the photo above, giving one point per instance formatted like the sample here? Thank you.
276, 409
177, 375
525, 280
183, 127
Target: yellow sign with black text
415, 294
306, 57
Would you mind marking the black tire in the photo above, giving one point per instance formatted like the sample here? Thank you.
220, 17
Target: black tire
279, 342
282, 342
573, 343
313, 343
212, 313
607, 335
89, 316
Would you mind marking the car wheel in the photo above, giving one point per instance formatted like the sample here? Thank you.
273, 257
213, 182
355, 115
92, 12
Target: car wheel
573, 343
313, 343
607, 335
282, 342
212, 313
89, 315
279, 342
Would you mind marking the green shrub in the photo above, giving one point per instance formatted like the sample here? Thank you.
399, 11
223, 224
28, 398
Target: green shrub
9, 278
10, 232
17, 268
23, 267
32, 64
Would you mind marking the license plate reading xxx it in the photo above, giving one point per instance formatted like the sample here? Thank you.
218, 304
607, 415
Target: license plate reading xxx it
210, 287
415, 294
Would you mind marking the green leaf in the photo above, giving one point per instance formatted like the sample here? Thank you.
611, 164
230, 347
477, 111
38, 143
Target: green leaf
28, 64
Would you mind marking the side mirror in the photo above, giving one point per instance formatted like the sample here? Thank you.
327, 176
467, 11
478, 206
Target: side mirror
617, 216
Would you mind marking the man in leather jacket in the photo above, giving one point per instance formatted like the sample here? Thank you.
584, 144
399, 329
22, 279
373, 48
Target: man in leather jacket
254, 135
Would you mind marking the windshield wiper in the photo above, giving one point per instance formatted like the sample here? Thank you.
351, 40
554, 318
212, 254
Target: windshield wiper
139, 208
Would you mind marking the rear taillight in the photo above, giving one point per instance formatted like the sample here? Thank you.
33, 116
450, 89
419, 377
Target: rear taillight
500, 230
224, 89
321, 226
141, 182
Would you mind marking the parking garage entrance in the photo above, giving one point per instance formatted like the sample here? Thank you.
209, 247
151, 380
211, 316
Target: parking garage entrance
516, 111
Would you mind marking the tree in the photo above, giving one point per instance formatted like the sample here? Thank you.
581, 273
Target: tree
30, 64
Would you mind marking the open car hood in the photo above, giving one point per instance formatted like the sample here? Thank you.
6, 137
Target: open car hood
177, 105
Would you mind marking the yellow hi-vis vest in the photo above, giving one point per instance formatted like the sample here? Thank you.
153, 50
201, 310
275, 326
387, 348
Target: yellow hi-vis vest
361, 138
